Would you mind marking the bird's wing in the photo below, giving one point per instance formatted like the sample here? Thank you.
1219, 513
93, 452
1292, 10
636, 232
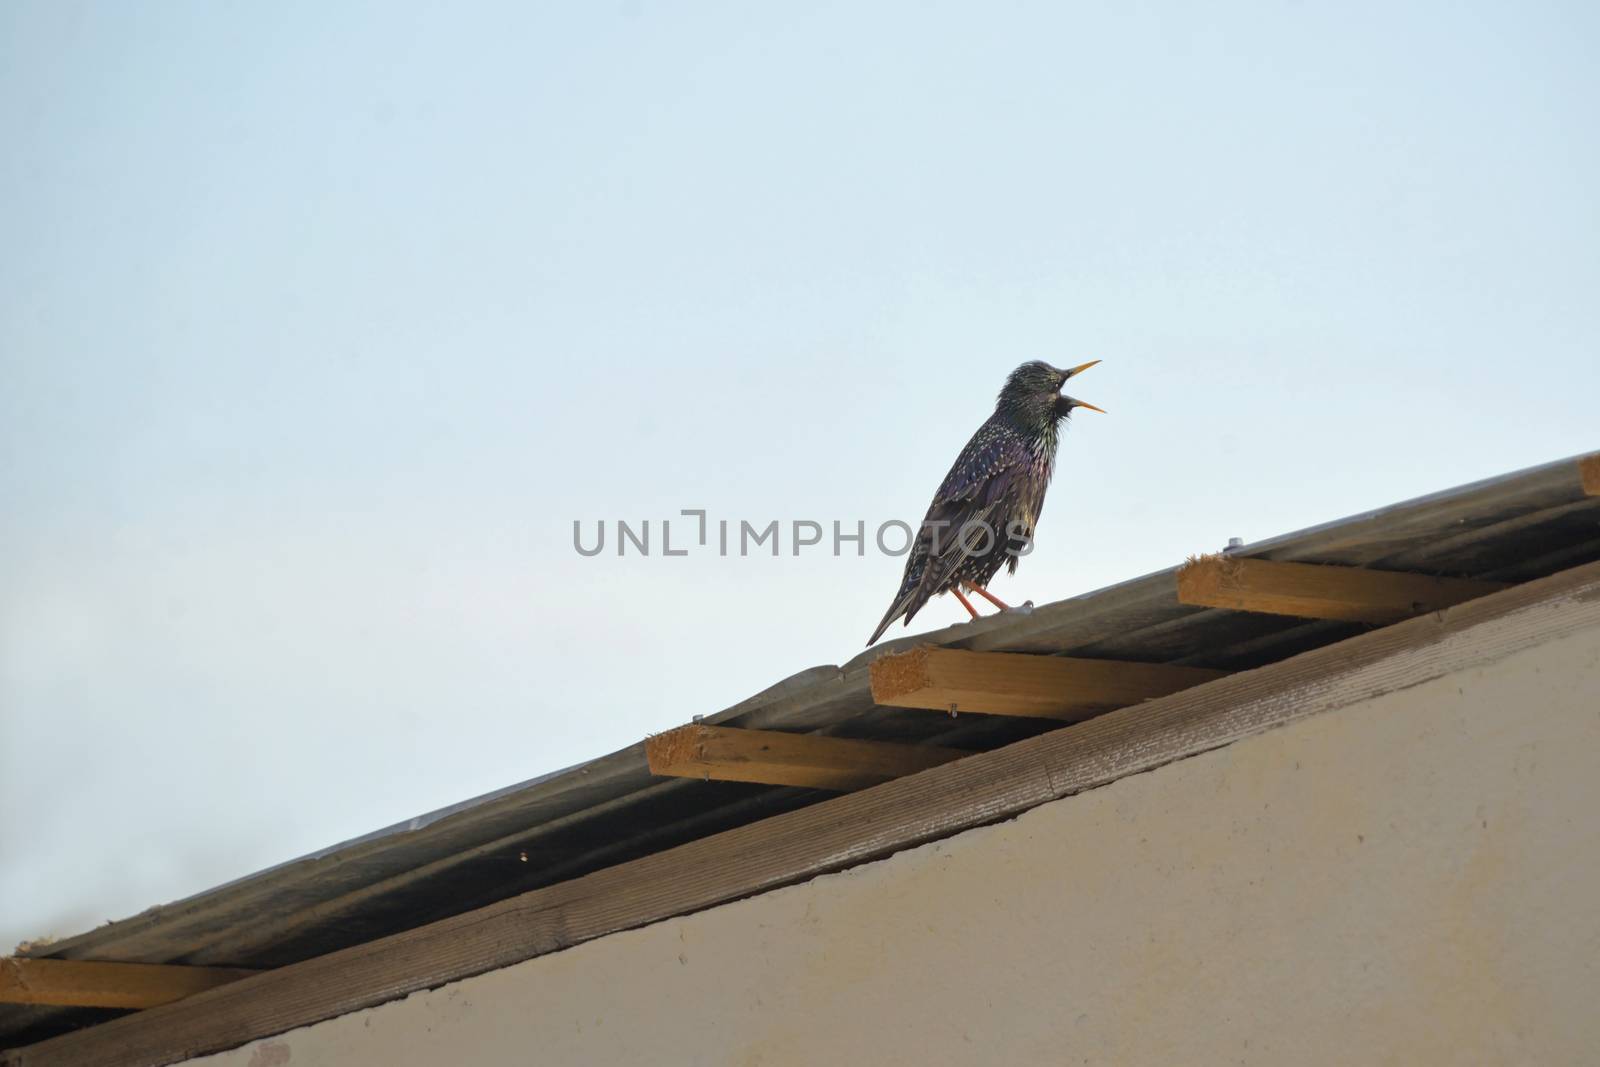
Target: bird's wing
977, 488
994, 457
981, 488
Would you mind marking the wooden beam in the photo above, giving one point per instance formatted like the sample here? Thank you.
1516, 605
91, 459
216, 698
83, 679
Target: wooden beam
1314, 591
1005, 683
94, 984
1589, 472
774, 758
839, 832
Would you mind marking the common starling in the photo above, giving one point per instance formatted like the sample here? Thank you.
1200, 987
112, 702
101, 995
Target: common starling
985, 511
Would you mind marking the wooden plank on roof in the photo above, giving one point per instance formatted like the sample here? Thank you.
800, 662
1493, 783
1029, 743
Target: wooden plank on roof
771, 757
837, 833
95, 984
1005, 683
1314, 591
1589, 472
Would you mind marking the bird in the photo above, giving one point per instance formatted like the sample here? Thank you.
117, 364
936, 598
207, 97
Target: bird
985, 511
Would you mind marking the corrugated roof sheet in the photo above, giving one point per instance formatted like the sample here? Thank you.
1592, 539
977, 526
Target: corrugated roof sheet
608, 810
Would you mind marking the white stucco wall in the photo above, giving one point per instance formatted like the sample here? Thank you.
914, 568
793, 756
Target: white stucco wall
1415, 879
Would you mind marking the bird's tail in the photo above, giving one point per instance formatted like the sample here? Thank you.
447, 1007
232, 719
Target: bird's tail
906, 605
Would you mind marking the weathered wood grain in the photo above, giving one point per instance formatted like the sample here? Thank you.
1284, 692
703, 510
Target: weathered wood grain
93, 984
1002, 683
1313, 591
770, 757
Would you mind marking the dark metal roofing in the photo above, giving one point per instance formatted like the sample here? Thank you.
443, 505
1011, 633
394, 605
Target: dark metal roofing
608, 810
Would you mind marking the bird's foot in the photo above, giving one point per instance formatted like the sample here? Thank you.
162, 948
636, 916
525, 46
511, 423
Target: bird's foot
990, 597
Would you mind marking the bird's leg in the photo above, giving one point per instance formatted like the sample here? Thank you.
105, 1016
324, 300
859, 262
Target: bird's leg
965, 602
990, 597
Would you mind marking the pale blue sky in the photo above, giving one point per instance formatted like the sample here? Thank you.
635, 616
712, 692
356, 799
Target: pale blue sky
319, 324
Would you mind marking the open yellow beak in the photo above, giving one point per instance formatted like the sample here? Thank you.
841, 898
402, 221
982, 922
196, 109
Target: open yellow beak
1079, 369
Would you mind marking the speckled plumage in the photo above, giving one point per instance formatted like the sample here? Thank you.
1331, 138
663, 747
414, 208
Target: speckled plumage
997, 485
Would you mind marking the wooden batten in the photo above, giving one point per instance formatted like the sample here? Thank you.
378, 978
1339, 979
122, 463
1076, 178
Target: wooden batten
770, 757
1589, 473
1004, 683
1314, 591
94, 984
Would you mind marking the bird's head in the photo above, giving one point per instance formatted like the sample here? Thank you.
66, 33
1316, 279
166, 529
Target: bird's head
1032, 395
